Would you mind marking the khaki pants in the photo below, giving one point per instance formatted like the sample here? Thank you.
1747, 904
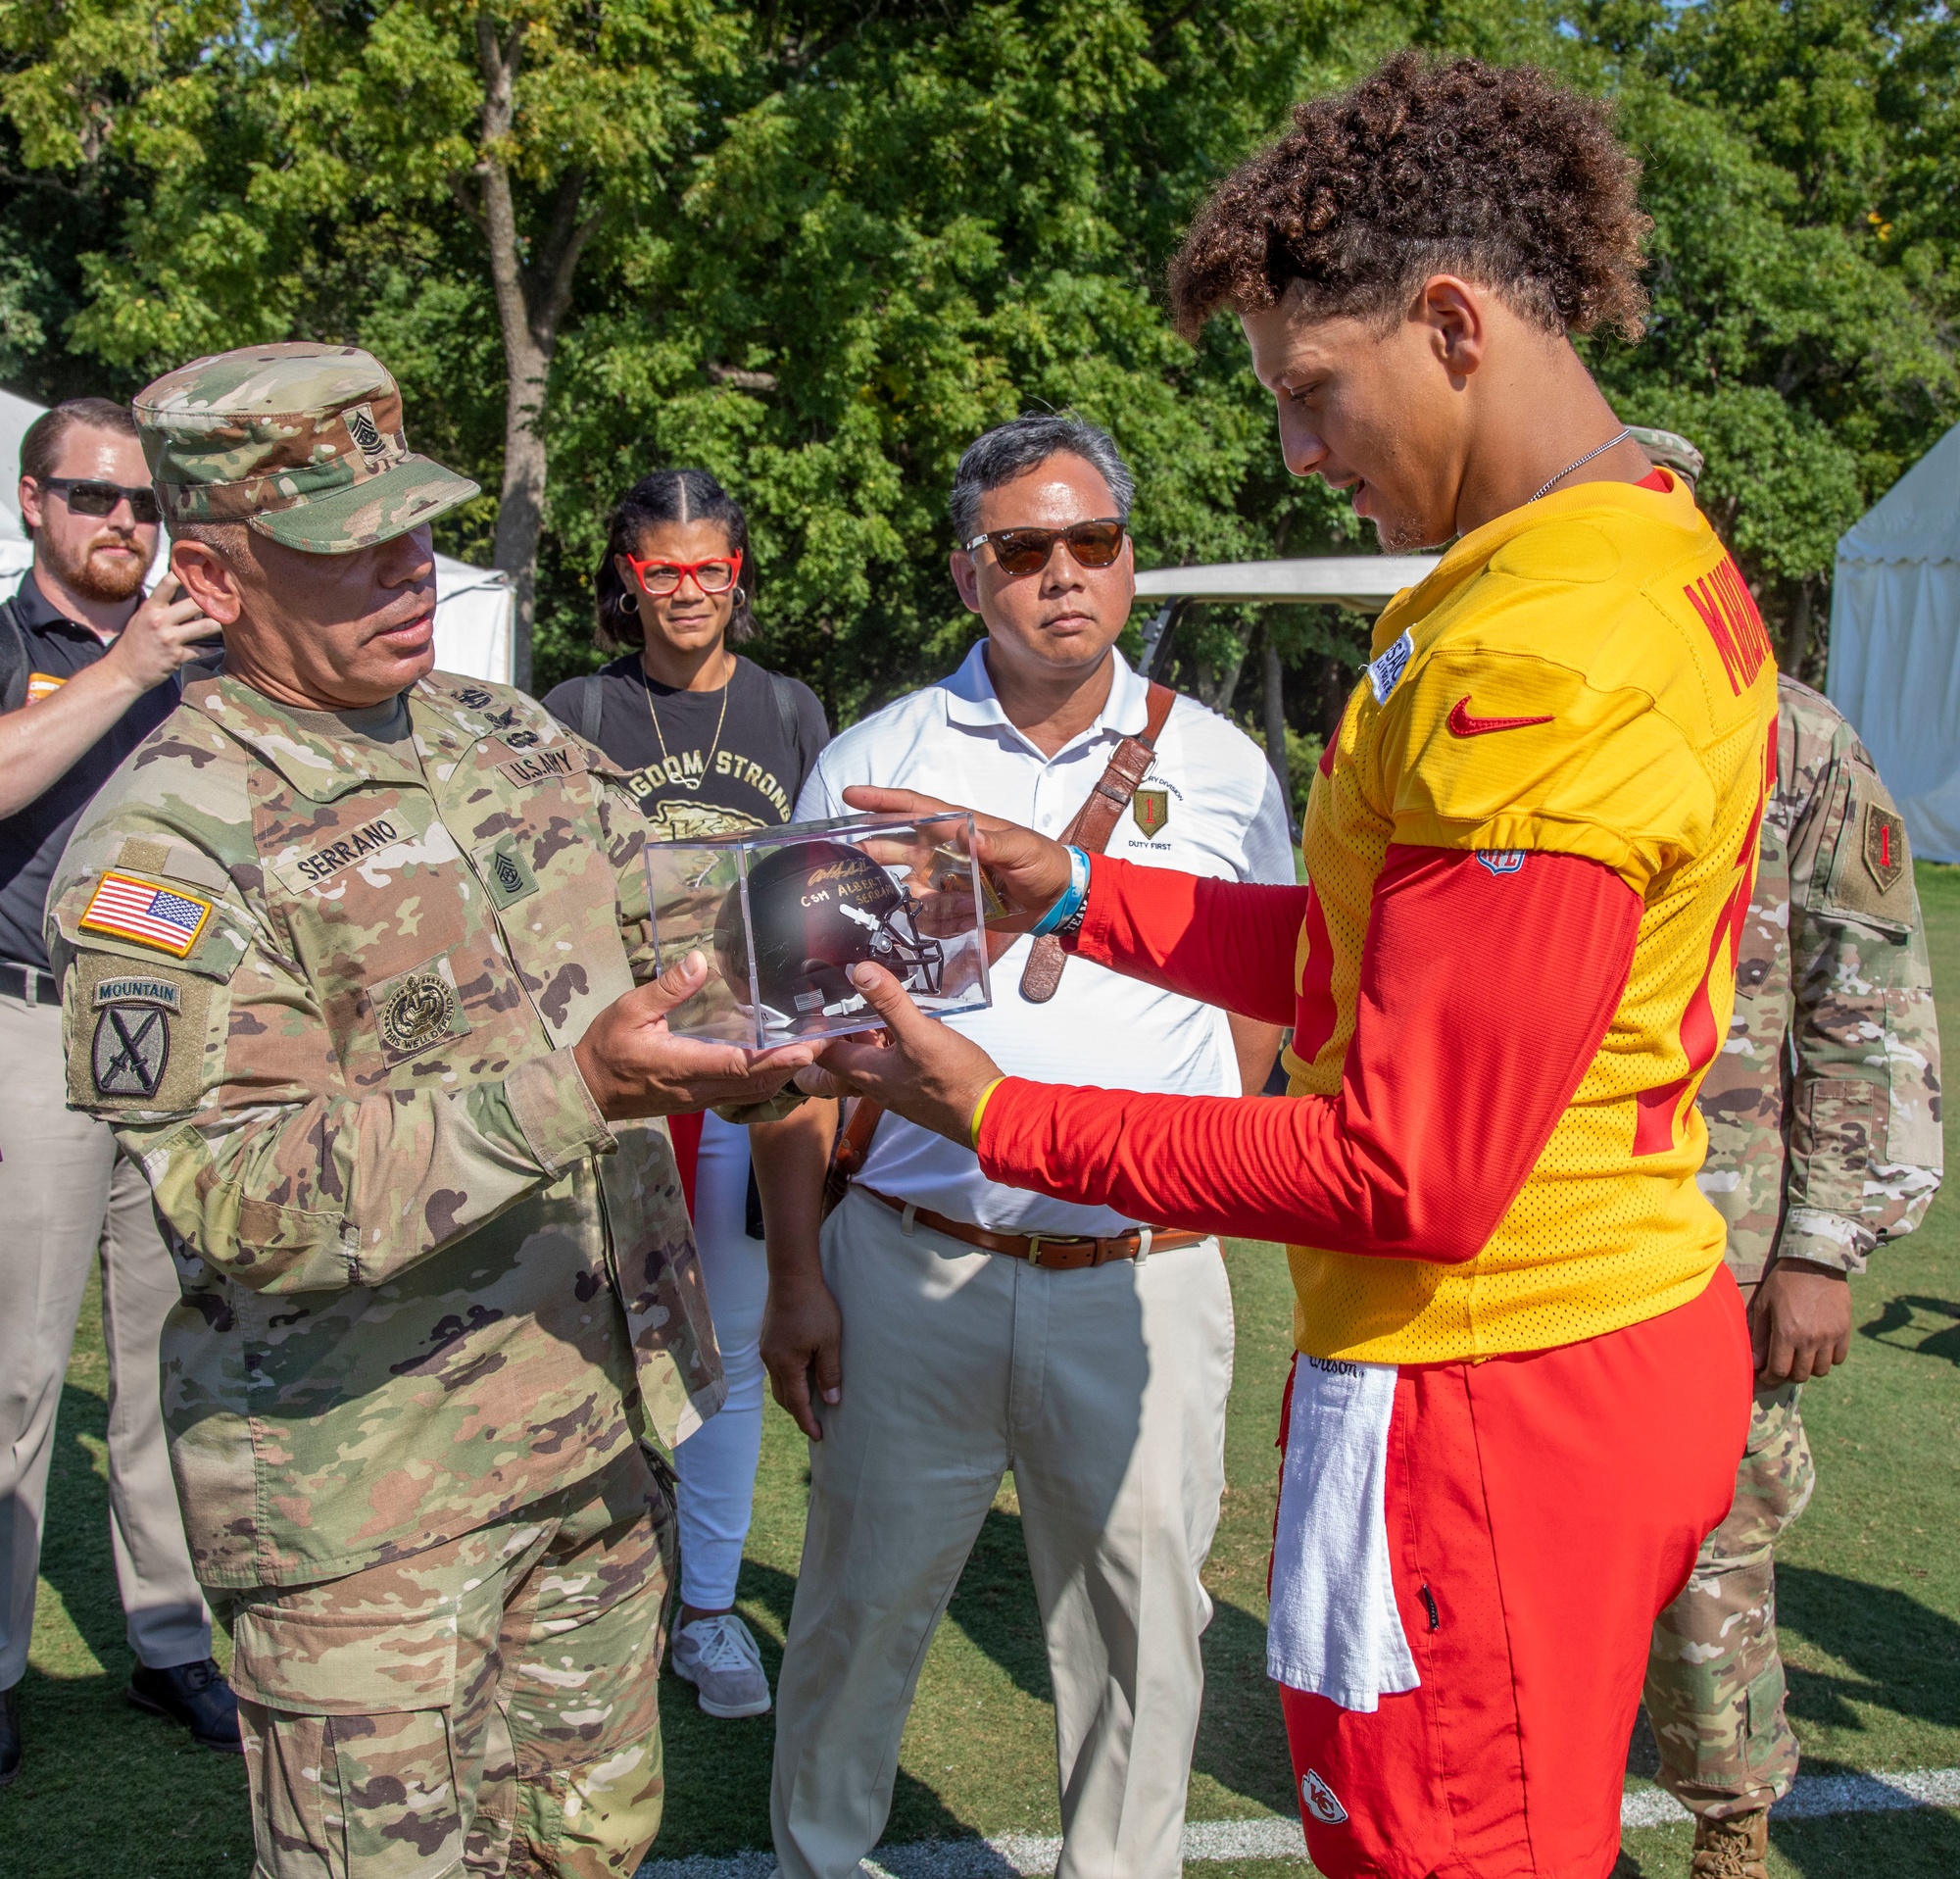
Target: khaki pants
68, 1198
493, 1702
1105, 1392
1715, 1682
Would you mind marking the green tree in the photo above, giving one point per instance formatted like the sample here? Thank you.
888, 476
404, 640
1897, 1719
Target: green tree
817, 247
1795, 336
281, 139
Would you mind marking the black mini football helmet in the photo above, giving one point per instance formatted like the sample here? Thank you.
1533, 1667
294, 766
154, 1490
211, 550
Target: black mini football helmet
818, 908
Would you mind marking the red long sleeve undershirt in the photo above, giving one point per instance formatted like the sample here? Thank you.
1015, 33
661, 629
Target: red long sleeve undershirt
1483, 999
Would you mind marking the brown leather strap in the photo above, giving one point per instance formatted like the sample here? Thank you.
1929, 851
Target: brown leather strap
1062, 1253
1095, 823
847, 1152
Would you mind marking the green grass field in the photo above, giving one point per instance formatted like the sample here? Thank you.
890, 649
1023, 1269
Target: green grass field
1870, 1597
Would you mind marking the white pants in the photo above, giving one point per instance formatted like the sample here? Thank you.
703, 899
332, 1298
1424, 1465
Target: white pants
68, 1198
1104, 1391
717, 1463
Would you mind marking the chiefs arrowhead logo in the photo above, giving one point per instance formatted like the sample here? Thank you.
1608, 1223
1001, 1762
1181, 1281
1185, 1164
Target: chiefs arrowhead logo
1321, 1801
1463, 725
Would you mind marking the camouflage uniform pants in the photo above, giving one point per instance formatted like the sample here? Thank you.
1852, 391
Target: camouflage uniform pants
488, 1706
1715, 1684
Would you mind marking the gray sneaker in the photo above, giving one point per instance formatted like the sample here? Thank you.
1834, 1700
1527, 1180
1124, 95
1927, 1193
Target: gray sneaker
720, 1658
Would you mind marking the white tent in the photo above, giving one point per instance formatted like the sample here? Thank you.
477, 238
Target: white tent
473, 606
1896, 644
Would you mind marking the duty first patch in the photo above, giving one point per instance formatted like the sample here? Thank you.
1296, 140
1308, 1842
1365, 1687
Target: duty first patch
136, 1039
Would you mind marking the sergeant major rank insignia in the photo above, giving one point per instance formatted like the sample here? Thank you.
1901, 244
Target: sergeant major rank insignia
375, 449
1151, 808
506, 873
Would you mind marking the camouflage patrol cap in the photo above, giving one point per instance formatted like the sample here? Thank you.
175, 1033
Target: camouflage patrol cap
301, 441
1671, 451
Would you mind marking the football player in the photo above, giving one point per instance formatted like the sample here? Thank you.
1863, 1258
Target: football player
1524, 1374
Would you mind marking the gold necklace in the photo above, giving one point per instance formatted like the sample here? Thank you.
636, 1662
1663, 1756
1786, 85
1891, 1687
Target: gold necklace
666, 762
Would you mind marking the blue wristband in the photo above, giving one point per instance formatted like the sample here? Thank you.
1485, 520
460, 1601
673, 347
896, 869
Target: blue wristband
1077, 891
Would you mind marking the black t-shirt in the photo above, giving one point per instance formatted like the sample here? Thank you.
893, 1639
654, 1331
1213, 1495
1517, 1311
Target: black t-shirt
702, 763
32, 840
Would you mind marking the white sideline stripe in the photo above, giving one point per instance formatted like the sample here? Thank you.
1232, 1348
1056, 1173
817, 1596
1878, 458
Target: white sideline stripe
1019, 1856
1816, 1794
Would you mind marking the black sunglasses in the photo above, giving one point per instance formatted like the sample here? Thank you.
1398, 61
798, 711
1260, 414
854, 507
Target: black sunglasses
88, 497
1026, 551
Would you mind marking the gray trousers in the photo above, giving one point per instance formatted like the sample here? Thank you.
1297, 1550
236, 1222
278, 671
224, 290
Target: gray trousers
1104, 1391
67, 1196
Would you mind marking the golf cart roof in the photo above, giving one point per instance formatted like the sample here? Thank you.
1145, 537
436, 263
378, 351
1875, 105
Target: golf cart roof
1353, 580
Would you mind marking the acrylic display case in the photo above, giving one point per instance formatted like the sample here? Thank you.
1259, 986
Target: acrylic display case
784, 914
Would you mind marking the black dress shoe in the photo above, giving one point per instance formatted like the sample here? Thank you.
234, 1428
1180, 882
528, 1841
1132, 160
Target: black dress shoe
194, 1694
10, 1737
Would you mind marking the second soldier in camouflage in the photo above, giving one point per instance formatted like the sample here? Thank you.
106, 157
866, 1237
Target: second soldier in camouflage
349, 954
1824, 1141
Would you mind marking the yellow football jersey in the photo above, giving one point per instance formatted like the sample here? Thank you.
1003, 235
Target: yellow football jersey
1586, 676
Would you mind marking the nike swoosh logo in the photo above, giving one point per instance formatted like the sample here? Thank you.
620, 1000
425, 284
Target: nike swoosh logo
1463, 725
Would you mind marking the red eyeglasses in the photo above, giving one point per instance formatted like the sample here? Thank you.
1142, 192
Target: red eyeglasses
658, 578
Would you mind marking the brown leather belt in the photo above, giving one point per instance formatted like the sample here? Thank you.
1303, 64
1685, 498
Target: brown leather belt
1053, 1252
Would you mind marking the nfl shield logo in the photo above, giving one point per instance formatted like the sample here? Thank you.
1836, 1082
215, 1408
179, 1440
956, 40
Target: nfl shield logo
1152, 809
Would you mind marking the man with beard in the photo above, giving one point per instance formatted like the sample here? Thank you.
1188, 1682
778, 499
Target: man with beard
87, 670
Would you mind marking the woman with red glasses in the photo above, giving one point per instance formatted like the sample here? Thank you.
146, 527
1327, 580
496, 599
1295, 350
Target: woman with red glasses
712, 744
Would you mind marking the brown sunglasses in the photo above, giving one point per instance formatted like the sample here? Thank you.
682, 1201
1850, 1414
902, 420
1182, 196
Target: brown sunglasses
1026, 551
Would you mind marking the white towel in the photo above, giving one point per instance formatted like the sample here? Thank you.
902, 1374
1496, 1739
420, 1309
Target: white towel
1334, 1630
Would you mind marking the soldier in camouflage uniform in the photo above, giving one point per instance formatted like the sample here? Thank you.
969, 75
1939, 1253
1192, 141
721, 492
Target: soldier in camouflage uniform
349, 954
1823, 1114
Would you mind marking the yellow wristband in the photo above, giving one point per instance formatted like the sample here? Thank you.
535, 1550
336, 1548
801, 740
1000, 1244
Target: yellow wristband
980, 1110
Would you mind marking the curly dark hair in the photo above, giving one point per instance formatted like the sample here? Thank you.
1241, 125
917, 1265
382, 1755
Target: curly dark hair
1429, 166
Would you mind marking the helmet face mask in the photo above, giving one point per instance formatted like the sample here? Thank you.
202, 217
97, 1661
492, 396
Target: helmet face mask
814, 910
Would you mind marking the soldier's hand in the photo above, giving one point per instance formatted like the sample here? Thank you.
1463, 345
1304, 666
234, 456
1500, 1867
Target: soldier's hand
803, 1339
634, 1065
1029, 871
161, 636
1799, 1322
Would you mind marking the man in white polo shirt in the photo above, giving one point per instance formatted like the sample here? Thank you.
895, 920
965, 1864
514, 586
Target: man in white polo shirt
950, 1329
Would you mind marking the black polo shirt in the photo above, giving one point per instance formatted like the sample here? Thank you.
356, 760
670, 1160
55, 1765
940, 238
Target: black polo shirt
32, 842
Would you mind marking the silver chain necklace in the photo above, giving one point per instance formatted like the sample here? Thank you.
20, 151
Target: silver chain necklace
1546, 488
667, 761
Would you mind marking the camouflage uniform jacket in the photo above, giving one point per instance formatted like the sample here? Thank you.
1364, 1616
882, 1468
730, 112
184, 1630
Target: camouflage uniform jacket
1823, 1108
325, 991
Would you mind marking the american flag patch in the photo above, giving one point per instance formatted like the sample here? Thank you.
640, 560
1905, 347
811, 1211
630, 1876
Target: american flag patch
141, 911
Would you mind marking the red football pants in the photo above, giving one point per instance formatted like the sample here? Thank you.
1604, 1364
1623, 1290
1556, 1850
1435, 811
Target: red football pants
1542, 1509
